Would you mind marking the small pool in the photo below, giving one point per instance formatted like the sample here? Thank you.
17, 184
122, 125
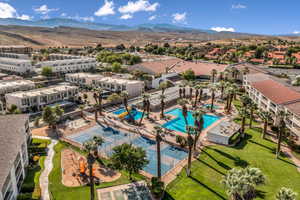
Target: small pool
208, 106
134, 112
178, 124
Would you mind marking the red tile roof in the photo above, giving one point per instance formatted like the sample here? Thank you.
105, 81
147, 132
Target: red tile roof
276, 92
294, 108
200, 68
155, 67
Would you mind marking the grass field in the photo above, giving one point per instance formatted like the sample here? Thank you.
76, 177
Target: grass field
215, 161
61, 192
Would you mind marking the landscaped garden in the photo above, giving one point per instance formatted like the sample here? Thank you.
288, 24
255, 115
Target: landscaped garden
214, 163
60, 192
31, 186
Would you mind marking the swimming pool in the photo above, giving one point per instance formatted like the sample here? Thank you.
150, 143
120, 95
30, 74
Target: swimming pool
134, 112
208, 106
178, 124
170, 155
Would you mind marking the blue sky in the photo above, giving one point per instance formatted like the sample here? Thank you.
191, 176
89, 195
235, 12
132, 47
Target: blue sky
251, 16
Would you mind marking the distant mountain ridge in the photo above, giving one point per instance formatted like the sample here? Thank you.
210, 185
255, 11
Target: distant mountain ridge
58, 22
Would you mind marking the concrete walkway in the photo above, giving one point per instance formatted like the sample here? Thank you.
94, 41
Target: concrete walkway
44, 181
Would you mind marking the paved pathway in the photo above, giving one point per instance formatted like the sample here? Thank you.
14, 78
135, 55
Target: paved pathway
44, 181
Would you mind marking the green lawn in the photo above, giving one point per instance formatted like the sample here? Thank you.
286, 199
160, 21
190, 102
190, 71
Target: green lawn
33, 174
215, 161
61, 192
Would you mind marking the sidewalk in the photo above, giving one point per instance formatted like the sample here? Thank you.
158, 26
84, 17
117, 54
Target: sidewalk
44, 181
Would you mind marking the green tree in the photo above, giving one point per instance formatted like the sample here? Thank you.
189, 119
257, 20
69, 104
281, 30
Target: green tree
116, 67
58, 112
47, 71
189, 75
114, 98
243, 112
125, 97
212, 88
91, 146
266, 117
199, 125
129, 158
214, 72
49, 116
158, 131
13, 109
241, 183
145, 106
190, 131
286, 194
281, 129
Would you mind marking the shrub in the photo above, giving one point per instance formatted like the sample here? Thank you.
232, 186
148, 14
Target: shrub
36, 193
274, 128
24, 196
181, 140
27, 188
157, 187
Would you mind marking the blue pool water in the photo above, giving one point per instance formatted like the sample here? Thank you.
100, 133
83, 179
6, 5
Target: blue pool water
208, 106
135, 113
178, 124
170, 155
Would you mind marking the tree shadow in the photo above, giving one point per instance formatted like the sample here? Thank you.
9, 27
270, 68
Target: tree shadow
262, 145
221, 164
208, 188
291, 163
167, 196
208, 165
243, 142
240, 162
261, 194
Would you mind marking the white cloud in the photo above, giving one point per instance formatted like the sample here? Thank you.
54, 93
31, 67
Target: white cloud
296, 32
106, 9
25, 17
7, 11
223, 29
79, 18
43, 9
63, 14
179, 18
126, 16
238, 6
138, 6
153, 17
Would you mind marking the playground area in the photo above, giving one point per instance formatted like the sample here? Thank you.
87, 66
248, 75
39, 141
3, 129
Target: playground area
75, 171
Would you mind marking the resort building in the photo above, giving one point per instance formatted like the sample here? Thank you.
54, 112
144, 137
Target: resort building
69, 65
14, 86
20, 66
16, 49
272, 95
15, 135
112, 84
39, 98
14, 55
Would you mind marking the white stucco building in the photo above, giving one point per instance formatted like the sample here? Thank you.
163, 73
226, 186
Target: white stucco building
20, 66
39, 98
272, 95
69, 65
113, 84
14, 138
15, 85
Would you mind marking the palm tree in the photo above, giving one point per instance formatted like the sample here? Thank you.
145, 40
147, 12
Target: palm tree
243, 112
145, 106
214, 72
124, 96
182, 103
163, 86
180, 91
286, 194
158, 131
191, 131
91, 146
162, 106
191, 85
212, 88
197, 88
245, 71
201, 87
81, 107
281, 129
95, 95
266, 117
221, 76
221, 85
252, 106
199, 124
100, 98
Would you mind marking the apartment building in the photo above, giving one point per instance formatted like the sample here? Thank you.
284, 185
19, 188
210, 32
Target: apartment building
16, 49
113, 84
20, 66
39, 98
14, 86
272, 95
14, 55
69, 65
14, 137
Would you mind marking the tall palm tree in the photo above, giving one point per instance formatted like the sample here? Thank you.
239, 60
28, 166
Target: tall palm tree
182, 103
221, 85
190, 131
199, 125
212, 89
158, 131
125, 96
197, 88
163, 86
162, 106
214, 72
191, 85
252, 107
221, 76
95, 95
91, 146
201, 87
243, 112
100, 98
266, 117
145, 106
180, 91
281, 129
